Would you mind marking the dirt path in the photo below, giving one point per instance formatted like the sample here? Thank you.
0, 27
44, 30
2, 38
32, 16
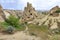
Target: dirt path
18, 36
26, 28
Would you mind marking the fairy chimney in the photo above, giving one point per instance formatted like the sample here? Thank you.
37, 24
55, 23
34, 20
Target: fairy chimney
29, 12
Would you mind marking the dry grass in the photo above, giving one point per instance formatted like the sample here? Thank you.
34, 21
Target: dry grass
41, 31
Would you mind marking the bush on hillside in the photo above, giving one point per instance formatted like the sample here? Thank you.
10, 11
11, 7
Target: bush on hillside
13, 22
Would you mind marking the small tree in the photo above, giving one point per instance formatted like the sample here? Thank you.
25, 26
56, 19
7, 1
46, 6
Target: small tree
13, 21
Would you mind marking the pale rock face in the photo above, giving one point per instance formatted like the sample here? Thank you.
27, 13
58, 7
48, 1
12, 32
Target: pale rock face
1, 9
1, 19
54, 26
6, 14
1, 14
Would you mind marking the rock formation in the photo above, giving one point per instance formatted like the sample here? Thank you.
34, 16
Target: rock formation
4, 14
50, 19
29, 13
53, 11
1, 9
1, 14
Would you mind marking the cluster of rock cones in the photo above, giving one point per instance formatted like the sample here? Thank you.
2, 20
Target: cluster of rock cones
30, 15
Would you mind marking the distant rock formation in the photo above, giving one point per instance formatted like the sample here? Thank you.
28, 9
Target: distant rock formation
53, 11
29, 13
5, 13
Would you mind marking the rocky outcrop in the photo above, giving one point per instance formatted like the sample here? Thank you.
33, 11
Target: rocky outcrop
5, 13
1, 9
16, 13
53, 11
29, 13
1, 14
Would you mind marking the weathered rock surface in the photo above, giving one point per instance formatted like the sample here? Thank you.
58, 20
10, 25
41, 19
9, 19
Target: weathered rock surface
49, 20
53, 11
29, 13
1, 14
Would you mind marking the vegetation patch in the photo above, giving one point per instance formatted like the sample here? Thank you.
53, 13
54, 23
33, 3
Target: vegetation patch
57, 11
37, 30
13, 22
54, 37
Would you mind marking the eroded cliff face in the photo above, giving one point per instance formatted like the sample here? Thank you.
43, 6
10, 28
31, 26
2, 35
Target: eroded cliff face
2, 16
52, 19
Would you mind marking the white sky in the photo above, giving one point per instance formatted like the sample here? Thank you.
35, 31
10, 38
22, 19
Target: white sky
38, 4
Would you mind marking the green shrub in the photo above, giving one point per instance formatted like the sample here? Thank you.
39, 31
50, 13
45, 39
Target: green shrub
14, 22
4, 25
57, 11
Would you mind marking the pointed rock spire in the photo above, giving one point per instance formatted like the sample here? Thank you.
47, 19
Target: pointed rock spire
29, 12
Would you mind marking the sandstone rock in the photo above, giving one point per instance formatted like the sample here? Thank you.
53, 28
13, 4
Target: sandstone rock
16, 13
53, 11
29, 13
1, 19
6, 14
1, 14
1, 9
54, 26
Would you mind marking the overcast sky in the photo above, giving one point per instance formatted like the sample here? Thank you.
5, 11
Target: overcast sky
38, 4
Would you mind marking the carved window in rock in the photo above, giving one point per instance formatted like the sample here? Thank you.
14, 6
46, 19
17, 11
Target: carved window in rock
30, 13
51, 14
28, 17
